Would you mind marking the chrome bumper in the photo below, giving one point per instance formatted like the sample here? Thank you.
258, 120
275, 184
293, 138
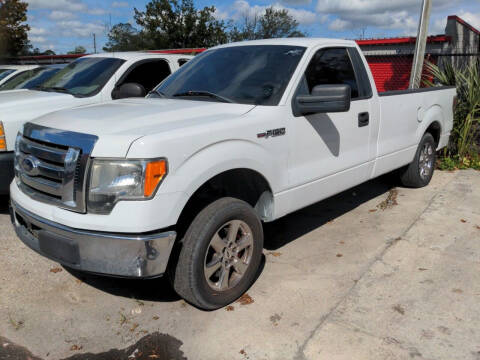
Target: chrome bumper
125, 255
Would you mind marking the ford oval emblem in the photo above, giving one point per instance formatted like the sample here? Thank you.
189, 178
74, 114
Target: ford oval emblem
30, 165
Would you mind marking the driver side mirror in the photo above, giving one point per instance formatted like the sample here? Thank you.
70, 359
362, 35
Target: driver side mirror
324, 99
129, 90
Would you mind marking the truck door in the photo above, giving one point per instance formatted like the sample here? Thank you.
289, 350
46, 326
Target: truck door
330, 152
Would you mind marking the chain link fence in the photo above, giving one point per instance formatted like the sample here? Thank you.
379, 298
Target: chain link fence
391, 70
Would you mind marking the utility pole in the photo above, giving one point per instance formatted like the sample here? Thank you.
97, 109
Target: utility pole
94, 43
421, 45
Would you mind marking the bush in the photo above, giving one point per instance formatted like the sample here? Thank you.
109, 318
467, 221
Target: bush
463, 150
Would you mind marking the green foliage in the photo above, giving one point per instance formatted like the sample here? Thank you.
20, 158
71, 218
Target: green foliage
78, 50
457, 163
273, 24
463, 148
124, 37
178, 24
13, 29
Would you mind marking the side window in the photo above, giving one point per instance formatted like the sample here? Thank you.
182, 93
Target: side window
148, 74
331, 67
182, 62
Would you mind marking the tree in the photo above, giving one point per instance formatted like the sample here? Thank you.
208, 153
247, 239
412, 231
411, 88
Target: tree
272, 24
36, 51
78, 50
13, 29
124, 37
178, 24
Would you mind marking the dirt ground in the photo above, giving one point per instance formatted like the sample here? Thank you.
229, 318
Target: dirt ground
377, 272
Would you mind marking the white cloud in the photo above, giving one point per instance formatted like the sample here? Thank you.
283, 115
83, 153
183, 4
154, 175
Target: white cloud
339, 25
66, 5
60, 15
438, 26
38, 39
242, 8
398, 15
471, 18
296, 2
119, 4
70, 28
37, 31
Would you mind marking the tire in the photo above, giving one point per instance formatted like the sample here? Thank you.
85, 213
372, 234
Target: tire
419, 173
224, 239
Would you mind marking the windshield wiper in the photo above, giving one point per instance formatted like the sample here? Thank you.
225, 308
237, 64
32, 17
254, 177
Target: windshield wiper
52, 88
195, 93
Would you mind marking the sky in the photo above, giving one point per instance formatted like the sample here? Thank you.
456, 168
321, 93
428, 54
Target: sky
61, 25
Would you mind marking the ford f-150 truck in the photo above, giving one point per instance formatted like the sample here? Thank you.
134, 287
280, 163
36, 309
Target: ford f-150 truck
180, 182
91, 79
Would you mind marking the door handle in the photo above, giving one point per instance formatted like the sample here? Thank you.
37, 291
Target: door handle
363, 119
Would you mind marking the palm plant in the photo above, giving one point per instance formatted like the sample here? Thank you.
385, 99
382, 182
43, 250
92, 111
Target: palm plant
466, 127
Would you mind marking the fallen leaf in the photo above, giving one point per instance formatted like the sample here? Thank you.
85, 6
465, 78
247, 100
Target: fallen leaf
276, 254
463, 221
76, 347
245, 299
390, 201
339, 255
372, 210
56, 270
155, 318
229, 308
478, 227
342, 242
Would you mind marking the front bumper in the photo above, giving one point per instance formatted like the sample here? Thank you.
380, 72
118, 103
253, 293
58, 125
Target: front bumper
6, 171
125, 255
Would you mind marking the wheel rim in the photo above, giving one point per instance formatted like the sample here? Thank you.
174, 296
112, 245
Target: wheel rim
427, 156
229, 255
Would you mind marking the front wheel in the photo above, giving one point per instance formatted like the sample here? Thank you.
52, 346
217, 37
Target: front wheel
419, 173
220, 255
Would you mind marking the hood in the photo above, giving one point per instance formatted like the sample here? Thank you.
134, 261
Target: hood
119, 123
22, 97
20, 106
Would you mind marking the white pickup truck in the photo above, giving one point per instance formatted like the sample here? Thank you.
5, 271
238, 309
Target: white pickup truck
180, 182
89, 80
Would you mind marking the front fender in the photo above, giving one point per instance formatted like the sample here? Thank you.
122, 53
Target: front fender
217, 158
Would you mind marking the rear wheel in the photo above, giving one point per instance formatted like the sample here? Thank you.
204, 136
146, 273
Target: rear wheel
221, 254
419, 173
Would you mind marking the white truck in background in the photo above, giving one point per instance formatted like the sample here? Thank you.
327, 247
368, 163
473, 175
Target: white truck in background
180, 182
9, 71
89, 80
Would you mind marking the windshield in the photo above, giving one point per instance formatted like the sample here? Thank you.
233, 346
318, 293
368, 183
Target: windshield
5, 72
256, 75
83, 77
29, 79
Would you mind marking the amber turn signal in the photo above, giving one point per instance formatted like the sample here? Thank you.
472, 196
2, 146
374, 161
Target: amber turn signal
154, 174
3, 142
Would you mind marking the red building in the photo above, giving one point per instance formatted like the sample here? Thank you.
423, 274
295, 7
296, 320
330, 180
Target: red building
391, 59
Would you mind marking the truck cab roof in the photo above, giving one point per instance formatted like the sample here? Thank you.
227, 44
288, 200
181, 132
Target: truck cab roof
136, 55
305, 42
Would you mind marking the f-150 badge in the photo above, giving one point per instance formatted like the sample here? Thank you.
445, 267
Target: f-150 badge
272, 133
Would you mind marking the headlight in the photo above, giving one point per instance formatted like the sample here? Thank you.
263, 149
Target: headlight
115, 180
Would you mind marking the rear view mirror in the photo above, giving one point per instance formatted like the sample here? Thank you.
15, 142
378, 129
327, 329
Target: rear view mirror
324, 99
129, 90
